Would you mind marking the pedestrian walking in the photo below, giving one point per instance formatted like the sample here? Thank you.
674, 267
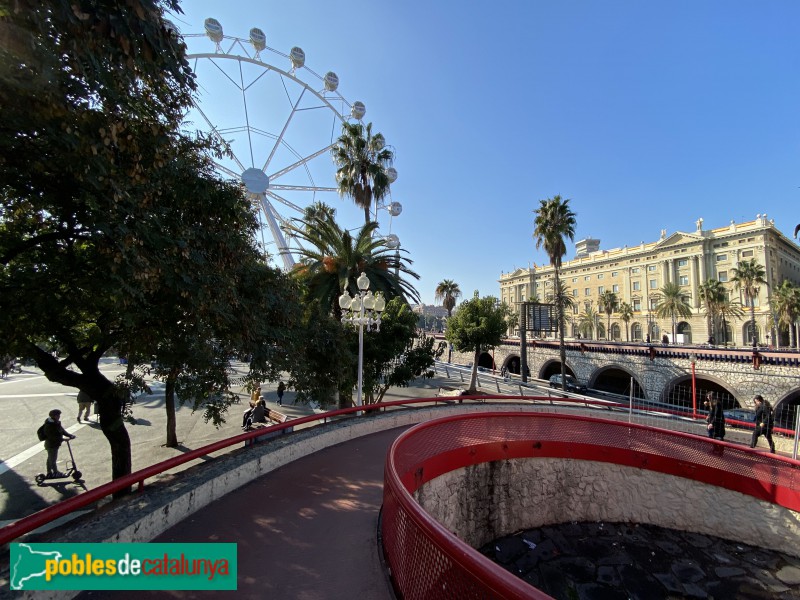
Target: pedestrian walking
715, 418
281, 389
54, 435
84, 405
765, 421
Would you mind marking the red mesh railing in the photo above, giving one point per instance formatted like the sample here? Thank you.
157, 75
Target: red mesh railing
428, 562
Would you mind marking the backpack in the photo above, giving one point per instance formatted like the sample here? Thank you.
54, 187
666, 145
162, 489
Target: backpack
40, 433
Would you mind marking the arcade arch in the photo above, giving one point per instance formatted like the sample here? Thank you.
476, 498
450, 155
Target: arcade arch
615, 379
678, 392
553, 367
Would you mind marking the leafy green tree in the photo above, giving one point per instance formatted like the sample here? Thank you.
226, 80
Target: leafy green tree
748, 275
786, 305
672, 304
608, 304
478, 324
89, 138
554, 221
448, 293
626, 314
362, 159
114, 233
396, 355
332, 259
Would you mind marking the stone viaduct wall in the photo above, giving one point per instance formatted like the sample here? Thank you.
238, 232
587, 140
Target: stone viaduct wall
657, 368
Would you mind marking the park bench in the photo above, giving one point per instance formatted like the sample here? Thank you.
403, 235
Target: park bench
275, 418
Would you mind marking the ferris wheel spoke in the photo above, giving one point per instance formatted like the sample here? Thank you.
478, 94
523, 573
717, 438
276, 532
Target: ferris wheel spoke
246, 115
279, 139
277, 234
284, 201
302, 188
218, 135
300, 163
229, 172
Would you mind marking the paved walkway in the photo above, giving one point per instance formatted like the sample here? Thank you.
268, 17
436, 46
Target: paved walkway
306, 531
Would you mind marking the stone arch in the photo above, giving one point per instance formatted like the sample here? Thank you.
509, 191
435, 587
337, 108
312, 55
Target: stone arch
683, 328
678, 391
486, 361
512, 364
616, 379
786, 409
553, 367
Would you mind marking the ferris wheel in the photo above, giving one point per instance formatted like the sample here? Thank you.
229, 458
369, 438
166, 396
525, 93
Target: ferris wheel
278, 121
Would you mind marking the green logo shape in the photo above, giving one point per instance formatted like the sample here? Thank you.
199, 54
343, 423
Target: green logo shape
123, 566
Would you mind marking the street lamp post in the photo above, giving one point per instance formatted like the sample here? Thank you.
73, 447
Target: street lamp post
693, 360
363, 309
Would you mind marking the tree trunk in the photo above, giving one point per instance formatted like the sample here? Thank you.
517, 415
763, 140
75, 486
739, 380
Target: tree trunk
110, 404
169, 405
473, 378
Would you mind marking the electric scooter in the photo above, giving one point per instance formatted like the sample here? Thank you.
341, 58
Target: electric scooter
72, 470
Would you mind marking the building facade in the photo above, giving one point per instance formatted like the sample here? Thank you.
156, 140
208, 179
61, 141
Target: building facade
636, 274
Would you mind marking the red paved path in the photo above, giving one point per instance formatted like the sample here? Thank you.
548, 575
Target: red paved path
306, 531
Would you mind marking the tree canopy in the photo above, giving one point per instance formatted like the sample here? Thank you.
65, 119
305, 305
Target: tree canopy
478, 324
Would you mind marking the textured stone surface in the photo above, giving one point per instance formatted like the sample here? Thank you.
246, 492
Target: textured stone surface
650, 574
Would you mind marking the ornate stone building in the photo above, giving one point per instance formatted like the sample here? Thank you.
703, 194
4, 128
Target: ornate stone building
636, 275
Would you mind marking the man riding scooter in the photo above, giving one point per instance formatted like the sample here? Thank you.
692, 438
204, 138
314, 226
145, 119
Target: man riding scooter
54, 434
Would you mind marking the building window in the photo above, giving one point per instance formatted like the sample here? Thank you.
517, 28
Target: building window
599, 275
682, 262
723, 276
586, 292
635, 270
587, 277
636, 286
721, 257
651, 268
574, 280
575, 292
587, 306
747, 253
683, 280
637, 305
600, 289
615, 288
613, 273
653, 284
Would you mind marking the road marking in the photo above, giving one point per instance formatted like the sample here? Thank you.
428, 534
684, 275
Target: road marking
7, 465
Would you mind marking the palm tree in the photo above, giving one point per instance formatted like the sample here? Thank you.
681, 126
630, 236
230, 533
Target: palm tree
447, 292
712, 292
362, 160
747, 276
626, 314
608, 304
672, 304
727, 310
786, 304
333, 258
587, 321
554, 221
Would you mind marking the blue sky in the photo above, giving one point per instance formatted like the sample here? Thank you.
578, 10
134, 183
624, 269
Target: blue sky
646, 114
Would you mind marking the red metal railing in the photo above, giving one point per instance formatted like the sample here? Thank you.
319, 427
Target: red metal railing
427, 561
43, 517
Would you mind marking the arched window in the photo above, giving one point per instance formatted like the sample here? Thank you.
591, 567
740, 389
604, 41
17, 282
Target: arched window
615, 332
686, 330
601, 331
636, 332
747, 333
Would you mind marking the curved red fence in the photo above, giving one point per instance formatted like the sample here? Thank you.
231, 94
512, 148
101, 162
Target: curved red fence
428, 562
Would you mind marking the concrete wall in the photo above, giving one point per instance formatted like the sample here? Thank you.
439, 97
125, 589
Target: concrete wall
487, 501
